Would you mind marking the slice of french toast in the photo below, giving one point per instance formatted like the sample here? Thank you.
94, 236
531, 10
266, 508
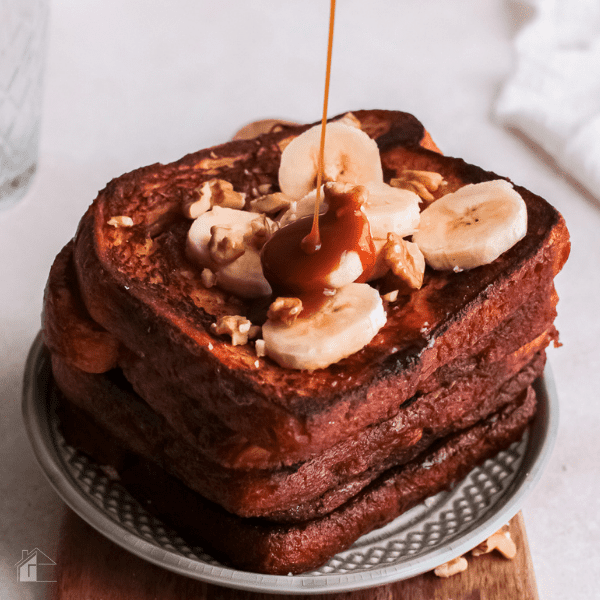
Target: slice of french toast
316, 487
66, 318
138, 284
452, 397
279, 548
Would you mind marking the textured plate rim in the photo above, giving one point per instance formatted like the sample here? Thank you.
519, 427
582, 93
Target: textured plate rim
542, 436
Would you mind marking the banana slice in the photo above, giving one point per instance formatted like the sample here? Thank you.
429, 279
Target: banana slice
388, 209
473, 226
347, 322
351, 156
304, 207
242, 276
391, 210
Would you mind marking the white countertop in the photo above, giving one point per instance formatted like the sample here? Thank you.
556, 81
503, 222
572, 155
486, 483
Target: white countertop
133, 83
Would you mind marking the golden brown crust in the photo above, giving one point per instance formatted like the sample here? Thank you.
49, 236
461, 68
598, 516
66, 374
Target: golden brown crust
316, 487
136, 282
68, 329
298, 410
260, 546
230, 449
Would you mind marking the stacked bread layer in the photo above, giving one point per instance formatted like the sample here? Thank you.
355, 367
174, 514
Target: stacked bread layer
263, 546
297, 464
453, 398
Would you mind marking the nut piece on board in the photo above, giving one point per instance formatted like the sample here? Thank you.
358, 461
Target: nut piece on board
500, 541
452, 567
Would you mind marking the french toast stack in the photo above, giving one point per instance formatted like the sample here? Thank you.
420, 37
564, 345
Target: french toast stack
277, 469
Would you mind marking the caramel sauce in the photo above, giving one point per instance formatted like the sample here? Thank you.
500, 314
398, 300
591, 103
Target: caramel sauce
312, 242
344, 228
298, 259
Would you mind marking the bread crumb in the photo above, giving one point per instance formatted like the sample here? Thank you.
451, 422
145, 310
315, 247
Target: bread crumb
405, 260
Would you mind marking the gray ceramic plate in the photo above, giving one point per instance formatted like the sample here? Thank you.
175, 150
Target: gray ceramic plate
438, 530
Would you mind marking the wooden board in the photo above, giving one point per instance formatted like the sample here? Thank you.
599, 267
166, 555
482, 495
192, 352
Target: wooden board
89, 566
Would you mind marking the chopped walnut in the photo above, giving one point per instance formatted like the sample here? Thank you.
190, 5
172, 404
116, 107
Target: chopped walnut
236, 326
215, 192
423, 183
405, 260
260, 347
390, 296
204, 204
209, 279
271, 204
452, 567
120, 221
224, 195
429, 179
226, 244
350, 119
261, 229
285, 310
500, 541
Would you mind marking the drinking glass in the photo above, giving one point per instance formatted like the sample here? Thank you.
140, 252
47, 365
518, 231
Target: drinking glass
23, 25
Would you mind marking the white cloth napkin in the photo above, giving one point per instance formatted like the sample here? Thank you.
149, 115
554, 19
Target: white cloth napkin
553, 97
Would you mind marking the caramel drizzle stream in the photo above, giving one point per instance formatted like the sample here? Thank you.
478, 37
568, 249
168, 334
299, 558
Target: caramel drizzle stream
312, 242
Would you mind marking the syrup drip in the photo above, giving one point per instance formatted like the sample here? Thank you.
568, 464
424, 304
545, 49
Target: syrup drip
301, 258
312, 242
345, 229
